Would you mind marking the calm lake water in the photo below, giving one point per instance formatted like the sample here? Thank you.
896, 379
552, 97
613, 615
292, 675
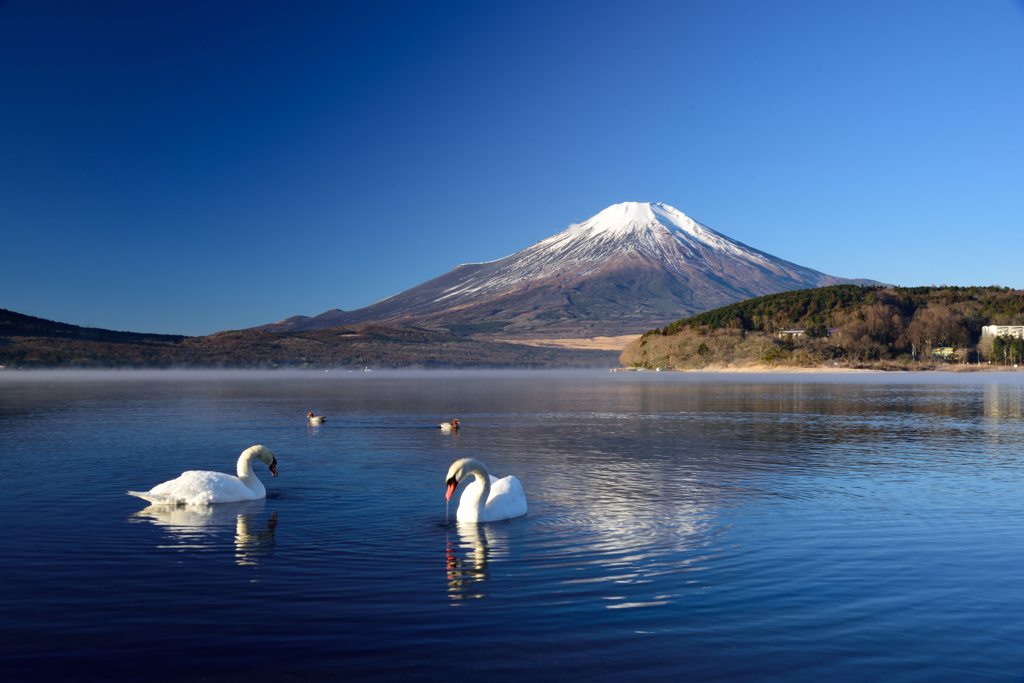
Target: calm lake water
697, 527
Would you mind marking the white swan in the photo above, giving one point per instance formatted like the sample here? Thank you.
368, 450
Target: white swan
316, 419
198, 487
449, 426
487, 498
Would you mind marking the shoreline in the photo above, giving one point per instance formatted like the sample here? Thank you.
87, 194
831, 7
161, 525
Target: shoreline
754, 368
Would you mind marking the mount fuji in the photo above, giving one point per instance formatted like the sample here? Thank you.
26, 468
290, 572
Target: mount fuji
633, 266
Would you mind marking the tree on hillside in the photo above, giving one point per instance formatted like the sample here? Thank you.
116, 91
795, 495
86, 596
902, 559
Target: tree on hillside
936, 325
884, 323
1009, 350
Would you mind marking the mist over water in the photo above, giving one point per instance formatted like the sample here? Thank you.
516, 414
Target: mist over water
706, 527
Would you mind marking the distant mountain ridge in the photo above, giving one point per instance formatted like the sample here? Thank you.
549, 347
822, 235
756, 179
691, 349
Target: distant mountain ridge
630, 267
29, 342
14, 324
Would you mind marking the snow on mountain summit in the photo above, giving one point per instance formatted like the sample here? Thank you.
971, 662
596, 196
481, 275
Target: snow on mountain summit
619, 220
657, 232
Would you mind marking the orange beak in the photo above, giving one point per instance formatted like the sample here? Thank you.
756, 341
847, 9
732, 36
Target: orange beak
451, 489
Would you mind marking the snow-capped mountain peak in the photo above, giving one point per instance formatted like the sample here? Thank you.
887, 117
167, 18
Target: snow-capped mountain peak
648, 230
637, 219
619, 219
633, 266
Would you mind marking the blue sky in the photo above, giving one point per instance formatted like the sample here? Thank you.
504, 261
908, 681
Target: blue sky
188, 167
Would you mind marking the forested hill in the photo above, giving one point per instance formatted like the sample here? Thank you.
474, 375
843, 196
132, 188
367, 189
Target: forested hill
838, 305
841, 325
19, 325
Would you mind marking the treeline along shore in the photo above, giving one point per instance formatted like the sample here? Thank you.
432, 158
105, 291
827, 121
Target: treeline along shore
889, 328
28, 342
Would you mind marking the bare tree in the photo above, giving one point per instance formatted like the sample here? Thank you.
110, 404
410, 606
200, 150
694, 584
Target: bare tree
937, 325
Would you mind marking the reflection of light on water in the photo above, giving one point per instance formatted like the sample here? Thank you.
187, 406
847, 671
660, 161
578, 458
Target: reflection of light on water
1003, 402
195, 527
625, 525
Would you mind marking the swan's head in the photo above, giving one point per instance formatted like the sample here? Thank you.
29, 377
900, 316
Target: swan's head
461, 469
266, 455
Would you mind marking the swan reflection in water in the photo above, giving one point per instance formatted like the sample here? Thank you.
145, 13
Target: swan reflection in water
199, 527
469, 556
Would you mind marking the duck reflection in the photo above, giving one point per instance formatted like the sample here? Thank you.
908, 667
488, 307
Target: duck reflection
201, 527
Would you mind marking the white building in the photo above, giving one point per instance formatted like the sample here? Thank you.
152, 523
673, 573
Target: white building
799, 332
1002, 331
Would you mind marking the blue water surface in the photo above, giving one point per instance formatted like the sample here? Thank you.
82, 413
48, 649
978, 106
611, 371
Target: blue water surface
681, 527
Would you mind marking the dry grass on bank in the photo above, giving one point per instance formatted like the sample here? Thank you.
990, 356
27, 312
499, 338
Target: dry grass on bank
597, 343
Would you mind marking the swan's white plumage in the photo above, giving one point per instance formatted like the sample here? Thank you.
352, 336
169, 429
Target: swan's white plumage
199, 487
486, 498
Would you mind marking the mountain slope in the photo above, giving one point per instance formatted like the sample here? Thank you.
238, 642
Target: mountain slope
629, 267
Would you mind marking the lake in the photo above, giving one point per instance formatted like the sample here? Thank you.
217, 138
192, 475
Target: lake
681, 526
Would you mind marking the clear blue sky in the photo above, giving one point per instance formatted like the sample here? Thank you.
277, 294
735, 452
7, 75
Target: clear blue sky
188, 167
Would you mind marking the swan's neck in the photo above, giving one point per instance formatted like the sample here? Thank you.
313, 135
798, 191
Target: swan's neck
245, 472
483, 488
